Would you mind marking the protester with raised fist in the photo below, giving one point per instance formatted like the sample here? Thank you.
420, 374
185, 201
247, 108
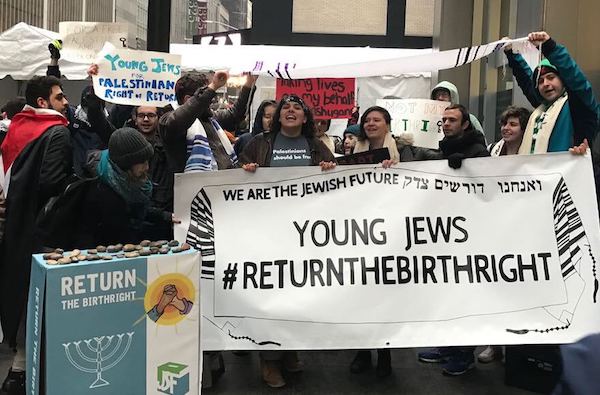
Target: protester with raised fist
566, 111
192, 134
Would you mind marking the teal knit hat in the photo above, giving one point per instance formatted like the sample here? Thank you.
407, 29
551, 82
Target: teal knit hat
543, 68
352, 129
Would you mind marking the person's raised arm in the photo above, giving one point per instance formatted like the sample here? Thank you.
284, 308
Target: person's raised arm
174, 124
523, 74
571, 75
95, 110
230, 118
54, 47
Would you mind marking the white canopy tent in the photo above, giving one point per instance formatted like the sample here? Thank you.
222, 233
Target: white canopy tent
24, 53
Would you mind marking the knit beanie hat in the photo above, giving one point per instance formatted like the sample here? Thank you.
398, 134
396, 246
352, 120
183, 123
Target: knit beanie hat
353, 129
543, 68
128, 147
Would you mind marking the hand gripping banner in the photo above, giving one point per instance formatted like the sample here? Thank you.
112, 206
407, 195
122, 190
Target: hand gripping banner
502, 251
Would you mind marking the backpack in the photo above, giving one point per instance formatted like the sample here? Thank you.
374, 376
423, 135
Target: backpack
57, 221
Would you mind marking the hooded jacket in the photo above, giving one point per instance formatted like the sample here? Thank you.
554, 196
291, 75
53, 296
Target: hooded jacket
455, 99
578, 118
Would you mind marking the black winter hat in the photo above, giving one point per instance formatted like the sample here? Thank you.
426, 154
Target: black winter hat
128, 147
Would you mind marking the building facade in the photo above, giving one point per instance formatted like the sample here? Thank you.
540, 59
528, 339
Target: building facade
48, 14
375, 23
239, 12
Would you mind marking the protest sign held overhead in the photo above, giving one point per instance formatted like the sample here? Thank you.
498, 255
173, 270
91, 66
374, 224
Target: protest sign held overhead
136, 77
326, 266
421, 117
330, 98
83, 40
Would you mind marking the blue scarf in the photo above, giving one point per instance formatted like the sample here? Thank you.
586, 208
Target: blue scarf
137, 194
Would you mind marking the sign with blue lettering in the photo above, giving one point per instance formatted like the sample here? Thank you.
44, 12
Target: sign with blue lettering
138, 78
120, 326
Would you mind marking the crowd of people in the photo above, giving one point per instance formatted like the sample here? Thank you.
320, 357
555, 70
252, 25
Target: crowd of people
120, 164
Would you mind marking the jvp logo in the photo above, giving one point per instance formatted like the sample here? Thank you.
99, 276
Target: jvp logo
173, 379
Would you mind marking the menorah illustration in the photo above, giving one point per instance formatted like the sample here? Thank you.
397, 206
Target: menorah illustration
105, 355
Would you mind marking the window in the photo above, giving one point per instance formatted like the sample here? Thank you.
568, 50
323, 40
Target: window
368, 17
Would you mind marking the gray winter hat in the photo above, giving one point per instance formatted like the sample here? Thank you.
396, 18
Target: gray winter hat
128, 147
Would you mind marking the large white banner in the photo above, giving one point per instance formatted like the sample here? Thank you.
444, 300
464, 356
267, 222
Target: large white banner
293, 62
420, 117
501, 251
137, 78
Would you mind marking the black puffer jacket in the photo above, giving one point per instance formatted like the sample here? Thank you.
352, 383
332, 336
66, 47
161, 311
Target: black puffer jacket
471, 145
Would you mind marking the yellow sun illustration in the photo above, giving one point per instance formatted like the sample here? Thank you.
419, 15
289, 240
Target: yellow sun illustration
185, 289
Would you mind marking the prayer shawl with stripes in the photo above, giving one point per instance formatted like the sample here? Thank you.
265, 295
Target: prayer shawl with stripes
200, 155
540, 127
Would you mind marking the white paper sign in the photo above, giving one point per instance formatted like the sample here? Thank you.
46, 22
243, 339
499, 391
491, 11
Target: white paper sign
83, 40
501, 251
138, 78
421, 117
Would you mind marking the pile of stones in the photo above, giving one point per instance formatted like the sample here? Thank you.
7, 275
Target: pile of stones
108, 253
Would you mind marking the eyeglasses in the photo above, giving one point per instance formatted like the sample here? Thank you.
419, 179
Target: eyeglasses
149, 115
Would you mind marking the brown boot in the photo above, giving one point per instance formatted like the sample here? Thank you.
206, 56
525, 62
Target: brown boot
291, 363
271, 373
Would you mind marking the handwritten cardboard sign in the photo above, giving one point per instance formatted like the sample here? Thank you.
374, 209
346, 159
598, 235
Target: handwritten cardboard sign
138, 78
83, 40
421, 117
330, 98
